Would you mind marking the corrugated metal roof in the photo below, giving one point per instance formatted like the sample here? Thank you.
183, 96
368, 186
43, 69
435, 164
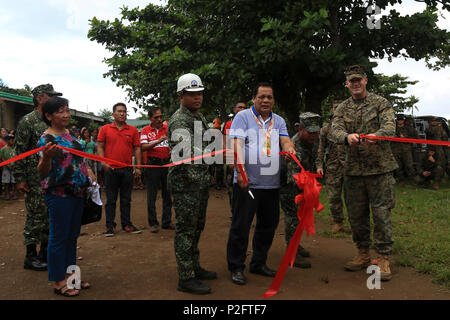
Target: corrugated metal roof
138, 123
16, 98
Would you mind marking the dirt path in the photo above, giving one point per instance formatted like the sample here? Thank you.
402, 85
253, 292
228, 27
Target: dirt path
143, 266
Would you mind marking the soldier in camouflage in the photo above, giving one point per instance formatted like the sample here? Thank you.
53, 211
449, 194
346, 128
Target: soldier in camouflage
430, 169
436, 132
189, 185
306, 149
29, 130
334, 174
403, 151
368, 168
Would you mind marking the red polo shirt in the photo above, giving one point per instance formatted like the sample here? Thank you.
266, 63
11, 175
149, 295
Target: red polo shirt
150, 134
227, 127
119, 144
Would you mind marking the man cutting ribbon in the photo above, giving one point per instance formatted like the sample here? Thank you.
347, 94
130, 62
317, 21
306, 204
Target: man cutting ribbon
368, 169
258, 134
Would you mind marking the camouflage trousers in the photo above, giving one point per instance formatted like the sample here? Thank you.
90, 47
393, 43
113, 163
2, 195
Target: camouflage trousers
334, 183
405, 162
36, 228
190, 214
287, 201
361, 194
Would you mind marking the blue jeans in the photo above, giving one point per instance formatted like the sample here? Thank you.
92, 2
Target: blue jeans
65, 224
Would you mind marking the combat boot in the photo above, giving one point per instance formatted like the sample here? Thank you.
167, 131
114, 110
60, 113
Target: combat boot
202, 274
383, 264
33, 263
361, 261
193, 286
43, 254
303, 252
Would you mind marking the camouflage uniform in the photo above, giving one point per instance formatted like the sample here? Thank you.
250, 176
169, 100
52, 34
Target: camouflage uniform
436, 170
435, 132
189, 185
403, 153
334, 172
306, 154
368, 168
29, 130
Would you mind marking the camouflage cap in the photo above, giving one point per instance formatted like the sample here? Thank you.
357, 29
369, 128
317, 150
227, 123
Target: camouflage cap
45, 88
310, 121
353, 72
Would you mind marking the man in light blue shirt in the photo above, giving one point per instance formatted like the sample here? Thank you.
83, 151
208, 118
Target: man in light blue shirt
258, 136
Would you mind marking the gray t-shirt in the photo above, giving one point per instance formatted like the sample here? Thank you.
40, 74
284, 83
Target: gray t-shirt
263, 171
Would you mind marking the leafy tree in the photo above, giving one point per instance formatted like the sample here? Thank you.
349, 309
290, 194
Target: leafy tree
105, 113
25, 91
302, 47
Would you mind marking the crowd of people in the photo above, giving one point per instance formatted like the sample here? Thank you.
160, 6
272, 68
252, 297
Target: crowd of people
258, 180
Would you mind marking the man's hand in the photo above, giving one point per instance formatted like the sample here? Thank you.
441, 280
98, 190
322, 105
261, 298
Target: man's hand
23, 187
426, 173
353, 139
240, 182
370, 141
320, 171
163, 138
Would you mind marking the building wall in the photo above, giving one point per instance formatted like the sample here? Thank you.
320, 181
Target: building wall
12, 112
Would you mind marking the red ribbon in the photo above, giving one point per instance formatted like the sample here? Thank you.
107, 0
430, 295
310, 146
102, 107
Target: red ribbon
308, 200
121, 164
407, 140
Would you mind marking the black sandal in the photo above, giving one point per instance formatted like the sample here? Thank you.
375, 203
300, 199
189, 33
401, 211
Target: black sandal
65, 293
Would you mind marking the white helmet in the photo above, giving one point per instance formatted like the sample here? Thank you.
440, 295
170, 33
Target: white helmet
189, 82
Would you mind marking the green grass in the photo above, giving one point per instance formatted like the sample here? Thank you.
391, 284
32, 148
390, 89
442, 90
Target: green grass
421, 229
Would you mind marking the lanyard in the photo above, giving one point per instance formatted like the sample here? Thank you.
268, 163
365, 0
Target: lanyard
267, 134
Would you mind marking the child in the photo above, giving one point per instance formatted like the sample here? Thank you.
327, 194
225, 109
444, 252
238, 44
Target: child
8, 181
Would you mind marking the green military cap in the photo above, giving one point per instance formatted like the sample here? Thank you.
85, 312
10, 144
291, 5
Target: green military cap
310, 121
354, 71
45, 88
401, 117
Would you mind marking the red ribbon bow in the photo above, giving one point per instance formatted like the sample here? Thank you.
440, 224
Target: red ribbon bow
308, 200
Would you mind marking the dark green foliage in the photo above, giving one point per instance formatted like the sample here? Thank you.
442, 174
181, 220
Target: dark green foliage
302, 47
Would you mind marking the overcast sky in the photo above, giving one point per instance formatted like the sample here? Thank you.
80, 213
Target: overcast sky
45, 41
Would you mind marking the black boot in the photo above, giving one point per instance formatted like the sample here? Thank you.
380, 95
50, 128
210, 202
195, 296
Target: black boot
43, 253
193, 286
203, 274
31, 260
303, 252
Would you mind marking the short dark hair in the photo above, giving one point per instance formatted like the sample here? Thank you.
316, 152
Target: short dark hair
261, 84
51, 106
119, 104
152, 111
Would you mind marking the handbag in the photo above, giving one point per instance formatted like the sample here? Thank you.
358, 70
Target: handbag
92, 212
